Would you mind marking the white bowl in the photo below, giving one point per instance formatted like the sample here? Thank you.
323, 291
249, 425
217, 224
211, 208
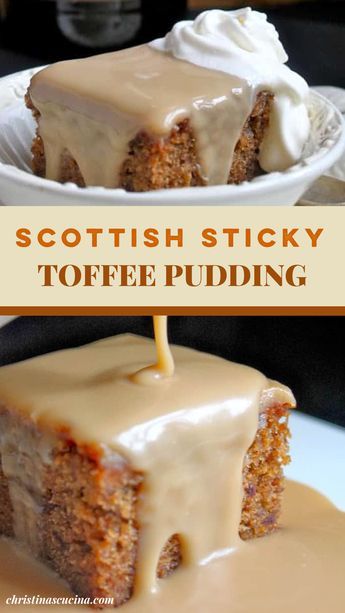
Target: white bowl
19, 187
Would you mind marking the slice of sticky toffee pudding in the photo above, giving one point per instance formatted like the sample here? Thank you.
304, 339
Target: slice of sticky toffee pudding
211, 103
114, 474
143, 120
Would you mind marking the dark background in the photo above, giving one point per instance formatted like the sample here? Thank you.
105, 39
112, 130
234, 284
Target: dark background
312, 32
305, 353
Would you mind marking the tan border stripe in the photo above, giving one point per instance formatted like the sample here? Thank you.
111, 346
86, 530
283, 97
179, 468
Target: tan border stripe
305, 311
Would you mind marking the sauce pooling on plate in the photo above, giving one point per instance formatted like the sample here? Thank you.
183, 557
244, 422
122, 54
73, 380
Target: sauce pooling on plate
299, 569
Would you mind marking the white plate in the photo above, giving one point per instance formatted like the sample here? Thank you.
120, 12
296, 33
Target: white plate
318, 456
5, 319
19, 187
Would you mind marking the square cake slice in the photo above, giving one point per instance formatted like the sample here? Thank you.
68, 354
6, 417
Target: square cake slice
101, 475
142, 120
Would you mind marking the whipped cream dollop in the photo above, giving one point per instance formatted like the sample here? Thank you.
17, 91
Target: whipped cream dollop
244, 44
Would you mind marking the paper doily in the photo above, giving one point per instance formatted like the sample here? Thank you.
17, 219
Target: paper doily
337, 96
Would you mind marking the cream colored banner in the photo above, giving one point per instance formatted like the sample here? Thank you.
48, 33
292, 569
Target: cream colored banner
172, 257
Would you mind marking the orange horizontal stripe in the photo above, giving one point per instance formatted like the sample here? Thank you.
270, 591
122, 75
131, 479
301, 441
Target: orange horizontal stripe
182, 310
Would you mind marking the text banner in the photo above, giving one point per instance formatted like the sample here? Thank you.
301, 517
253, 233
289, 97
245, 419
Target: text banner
156, 257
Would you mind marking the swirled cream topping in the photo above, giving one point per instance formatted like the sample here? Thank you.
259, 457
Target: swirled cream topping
244, 44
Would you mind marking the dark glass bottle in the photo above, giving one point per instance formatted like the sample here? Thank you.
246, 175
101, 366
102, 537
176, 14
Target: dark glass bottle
116, 23
50, 30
